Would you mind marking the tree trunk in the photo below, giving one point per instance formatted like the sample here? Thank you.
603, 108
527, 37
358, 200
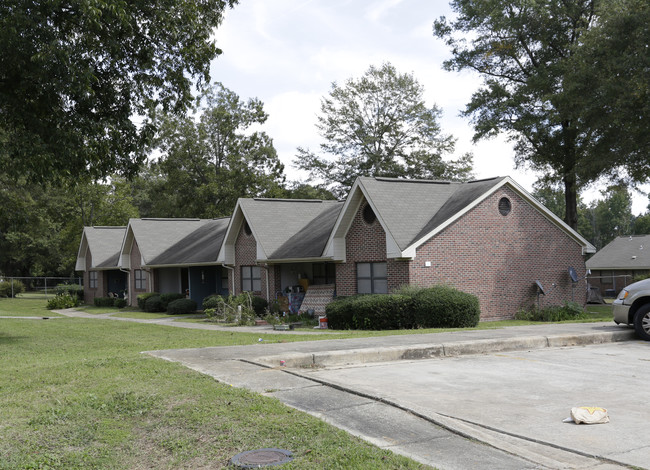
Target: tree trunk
570, 198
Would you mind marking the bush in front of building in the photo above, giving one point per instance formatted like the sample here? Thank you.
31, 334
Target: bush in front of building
119, 302
142, 299
154, 304
553, 313
6, 288
445, 307
103, 301
181, 307
259, 305
435, 307
370, 312
212, 302
170, 297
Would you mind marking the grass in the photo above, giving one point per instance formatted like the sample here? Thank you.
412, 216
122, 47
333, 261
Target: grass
22, 307
77, 394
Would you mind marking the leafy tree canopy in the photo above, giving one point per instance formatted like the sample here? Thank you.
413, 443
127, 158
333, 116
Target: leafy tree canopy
76, 75
209, 162
379, 125
537, 60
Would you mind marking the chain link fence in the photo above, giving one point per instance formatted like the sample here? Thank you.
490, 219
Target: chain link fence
34, 287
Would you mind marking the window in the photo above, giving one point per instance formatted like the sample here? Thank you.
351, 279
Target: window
140, 276
369, 215
251, 279
92, 279
504, 206
324, 273
372, 278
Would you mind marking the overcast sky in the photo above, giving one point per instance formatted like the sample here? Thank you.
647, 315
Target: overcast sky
288, 52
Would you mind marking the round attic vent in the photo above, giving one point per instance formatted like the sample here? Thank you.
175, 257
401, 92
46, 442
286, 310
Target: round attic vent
504, 206
368, 214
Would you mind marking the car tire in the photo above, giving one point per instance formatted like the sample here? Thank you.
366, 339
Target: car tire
642, 322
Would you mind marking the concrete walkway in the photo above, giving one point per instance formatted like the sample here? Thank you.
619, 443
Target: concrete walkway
285, 371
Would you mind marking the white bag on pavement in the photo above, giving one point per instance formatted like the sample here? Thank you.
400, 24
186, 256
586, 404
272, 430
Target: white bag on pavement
589, 415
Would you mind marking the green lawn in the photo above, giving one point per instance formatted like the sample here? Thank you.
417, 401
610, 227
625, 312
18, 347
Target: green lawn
77, 394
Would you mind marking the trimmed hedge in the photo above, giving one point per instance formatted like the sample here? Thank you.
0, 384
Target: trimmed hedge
142, 298
154, 304
170, 297
436, 307
119, 302
103, 301
181, 307
259, 305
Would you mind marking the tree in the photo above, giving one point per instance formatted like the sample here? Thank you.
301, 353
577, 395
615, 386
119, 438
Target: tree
528, 53
75, 76
609, 82
206, 165
379, 125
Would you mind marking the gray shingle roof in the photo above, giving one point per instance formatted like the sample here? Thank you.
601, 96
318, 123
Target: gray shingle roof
291, 228
410, 209
104, 244
156, 236
199, 247
630, 252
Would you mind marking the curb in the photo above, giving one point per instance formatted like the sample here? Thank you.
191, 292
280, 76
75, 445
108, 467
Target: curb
441, 350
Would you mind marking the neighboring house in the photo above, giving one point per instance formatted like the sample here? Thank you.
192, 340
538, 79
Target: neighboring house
617, 263
490, 238
98, 256
275, 248
174, 256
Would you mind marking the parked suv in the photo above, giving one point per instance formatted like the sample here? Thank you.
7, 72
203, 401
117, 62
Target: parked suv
632, 306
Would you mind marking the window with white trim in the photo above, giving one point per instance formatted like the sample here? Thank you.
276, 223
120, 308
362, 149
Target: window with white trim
251, 279
140, 276
92, 279
372, 278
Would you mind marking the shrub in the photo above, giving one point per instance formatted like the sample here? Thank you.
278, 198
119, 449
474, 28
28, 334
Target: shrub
142, 299
232, 309
6, 288
409, 307
72, 289
371, 312
211, 302
119, 302
61, 301
169, 297
568, 311
154, 304
103, 301
445, 307
259, 305
181, 306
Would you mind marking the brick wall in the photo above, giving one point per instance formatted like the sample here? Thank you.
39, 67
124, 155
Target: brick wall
246, 255
366, 242
499, 258
136, 263
91, 293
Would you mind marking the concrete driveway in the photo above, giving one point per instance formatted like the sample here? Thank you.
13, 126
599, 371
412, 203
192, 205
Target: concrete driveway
523, 397
478, 399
